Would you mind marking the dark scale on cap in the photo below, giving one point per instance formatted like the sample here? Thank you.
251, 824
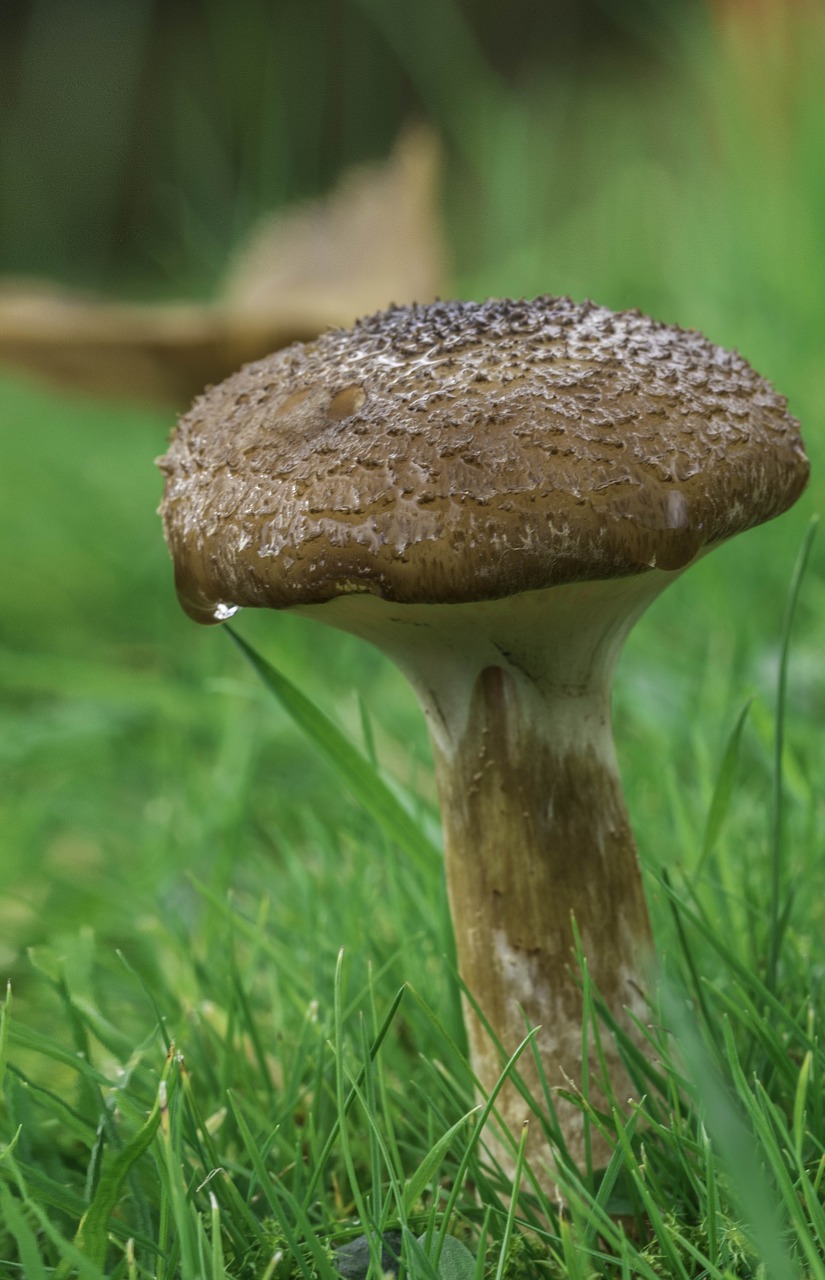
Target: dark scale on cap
461, 451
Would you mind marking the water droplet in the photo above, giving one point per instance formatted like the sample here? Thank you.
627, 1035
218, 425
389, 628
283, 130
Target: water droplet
196, 603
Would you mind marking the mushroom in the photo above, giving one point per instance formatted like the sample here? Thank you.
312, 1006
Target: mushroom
492, 494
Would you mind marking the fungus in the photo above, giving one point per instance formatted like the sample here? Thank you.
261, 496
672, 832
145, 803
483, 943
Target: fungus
492, 494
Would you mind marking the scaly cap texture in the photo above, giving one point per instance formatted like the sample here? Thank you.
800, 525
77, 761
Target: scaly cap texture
463, 451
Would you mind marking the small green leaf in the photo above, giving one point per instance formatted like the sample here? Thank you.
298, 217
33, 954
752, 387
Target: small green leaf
455, 1262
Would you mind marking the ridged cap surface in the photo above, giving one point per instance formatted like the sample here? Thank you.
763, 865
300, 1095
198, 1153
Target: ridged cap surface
462, 451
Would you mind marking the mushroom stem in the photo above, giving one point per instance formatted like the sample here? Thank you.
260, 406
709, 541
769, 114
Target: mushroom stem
517, 696
536, 834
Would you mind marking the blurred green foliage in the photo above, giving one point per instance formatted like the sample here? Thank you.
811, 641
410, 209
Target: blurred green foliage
139, 140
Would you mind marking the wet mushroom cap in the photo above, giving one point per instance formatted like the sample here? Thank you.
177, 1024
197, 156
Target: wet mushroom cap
464, 451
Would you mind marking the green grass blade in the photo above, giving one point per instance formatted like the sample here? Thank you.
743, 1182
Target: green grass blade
330, 1142
48, 1191
575, 1263
274, 1193
509, 1225
481, 1252
654, 1211
696, 989
475, 1137
62, 1114
799, 1104
218, 1270
711, 1198
777, 836
366, 1219
150, 997
751, 982
729, 1118
93, 1233
432, 1160
34, 1041
602, 1198
14, 1221
74, 1261
722, 792
355, 771
4, 1036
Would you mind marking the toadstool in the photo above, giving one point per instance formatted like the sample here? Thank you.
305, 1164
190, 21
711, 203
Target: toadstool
492, 494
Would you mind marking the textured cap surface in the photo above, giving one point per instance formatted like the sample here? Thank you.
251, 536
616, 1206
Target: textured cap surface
461, 451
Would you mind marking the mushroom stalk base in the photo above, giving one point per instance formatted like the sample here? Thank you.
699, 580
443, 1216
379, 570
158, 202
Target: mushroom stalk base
537, 837
517, 697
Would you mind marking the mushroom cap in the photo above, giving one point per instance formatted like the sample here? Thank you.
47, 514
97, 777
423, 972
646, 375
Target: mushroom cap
464, 451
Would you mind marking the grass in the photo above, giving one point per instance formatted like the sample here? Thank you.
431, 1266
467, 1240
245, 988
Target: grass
232, 1038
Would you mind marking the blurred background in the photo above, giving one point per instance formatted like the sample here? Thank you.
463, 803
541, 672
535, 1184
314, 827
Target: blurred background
666, 154
142, 139
185, 181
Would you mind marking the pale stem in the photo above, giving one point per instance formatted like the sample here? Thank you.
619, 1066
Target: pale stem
517, 697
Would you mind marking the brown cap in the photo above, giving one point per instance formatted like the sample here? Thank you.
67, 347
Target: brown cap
462, 451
